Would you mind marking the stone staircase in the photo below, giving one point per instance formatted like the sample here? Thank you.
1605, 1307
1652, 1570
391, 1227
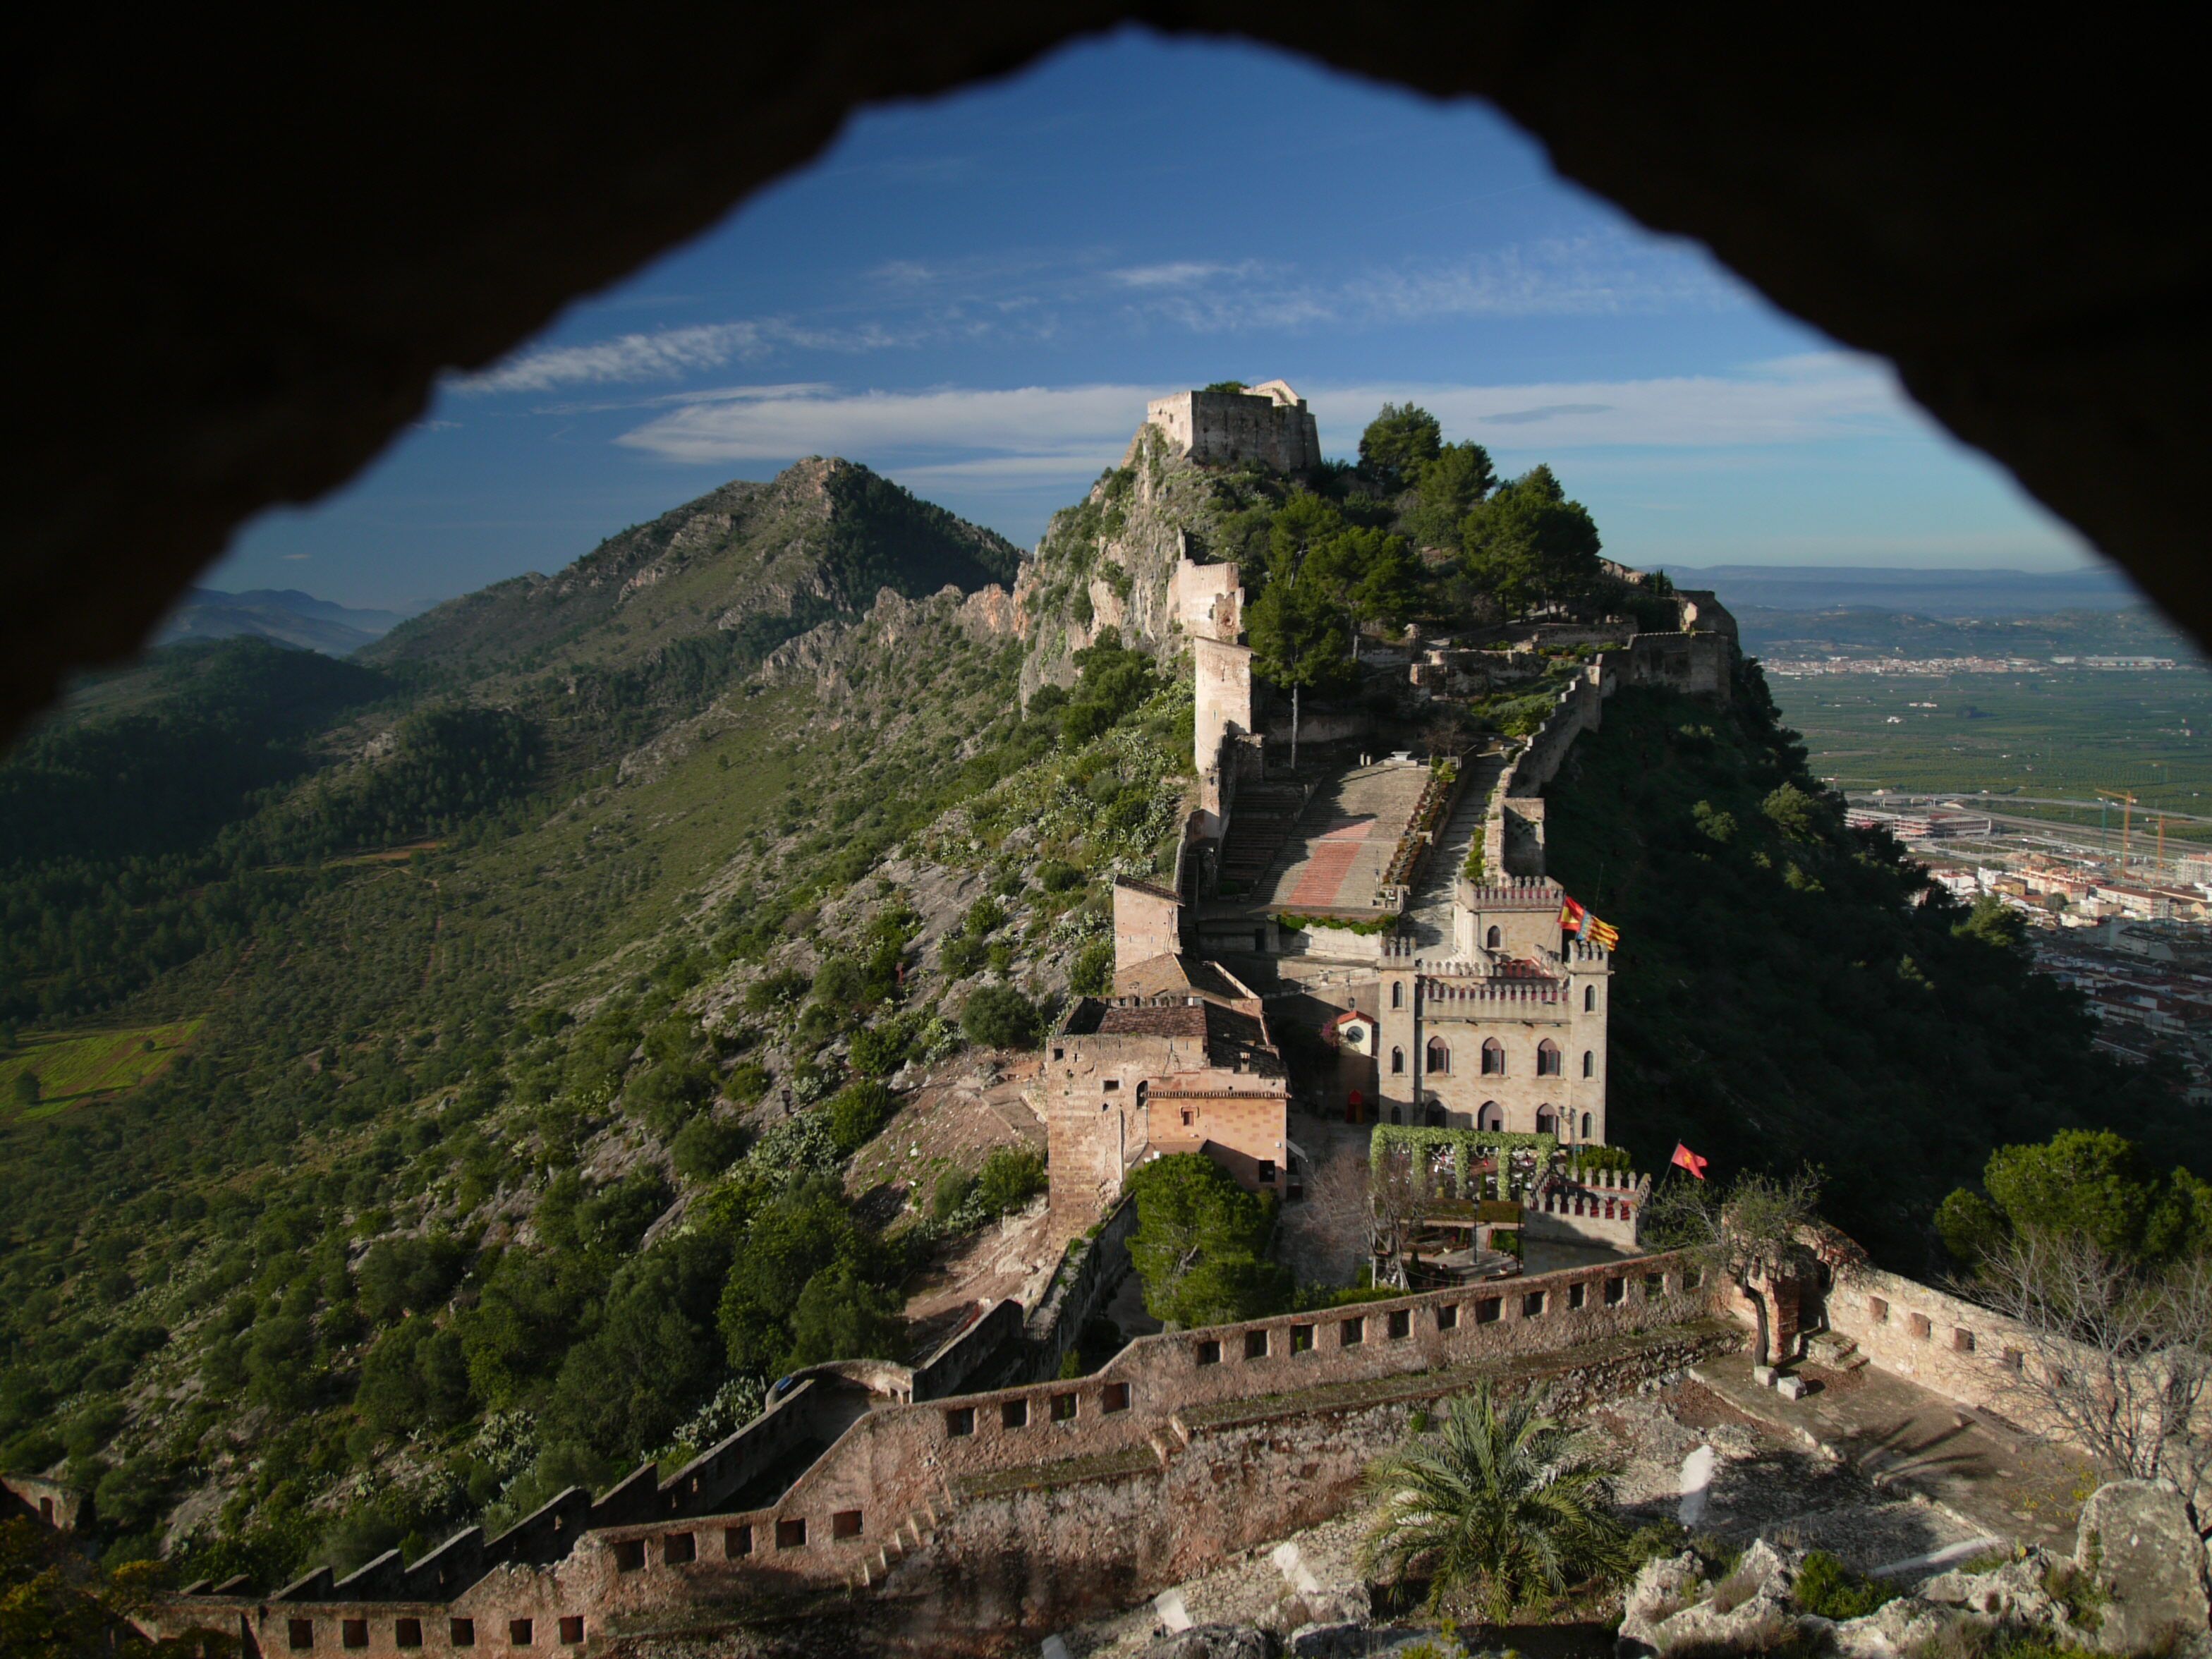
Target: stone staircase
1430, 911
1835, 1351
915, 1533
1261, 823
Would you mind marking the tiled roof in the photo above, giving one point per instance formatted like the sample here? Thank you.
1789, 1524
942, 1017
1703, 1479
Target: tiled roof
1177, 1019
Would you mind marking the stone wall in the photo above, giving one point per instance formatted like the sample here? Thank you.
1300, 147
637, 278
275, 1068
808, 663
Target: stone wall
1223, 697
1090, 1269
1207, 601
1147, 922
1270, 425
48, 1501
1238, 1410
1703, 665
1947, 1345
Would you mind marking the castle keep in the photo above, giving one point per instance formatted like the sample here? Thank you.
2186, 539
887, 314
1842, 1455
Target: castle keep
1269, 424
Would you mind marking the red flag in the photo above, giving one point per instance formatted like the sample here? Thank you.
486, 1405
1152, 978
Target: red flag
1684, 1158
1572, 917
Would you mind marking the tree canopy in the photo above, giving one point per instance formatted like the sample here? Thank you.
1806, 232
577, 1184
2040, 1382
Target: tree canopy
1201, 1243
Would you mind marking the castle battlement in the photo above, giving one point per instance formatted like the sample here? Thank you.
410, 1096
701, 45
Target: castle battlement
1520, 893
1452, 995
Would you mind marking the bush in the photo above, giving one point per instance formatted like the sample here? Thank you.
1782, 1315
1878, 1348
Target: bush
1057, 876
880, 1049
706, 1146
1010, 1178
776, 990
747, 1082
858, 1114
1093, 974
1826, 1587
999, 1017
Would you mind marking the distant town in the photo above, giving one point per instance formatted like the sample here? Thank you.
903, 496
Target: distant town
1802, 667
2129, 925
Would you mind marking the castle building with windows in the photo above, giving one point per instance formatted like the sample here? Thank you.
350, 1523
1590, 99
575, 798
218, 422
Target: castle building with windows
1508, 1035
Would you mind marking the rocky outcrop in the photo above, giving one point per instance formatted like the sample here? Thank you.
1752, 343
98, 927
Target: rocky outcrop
2138, 1540
2146, 1595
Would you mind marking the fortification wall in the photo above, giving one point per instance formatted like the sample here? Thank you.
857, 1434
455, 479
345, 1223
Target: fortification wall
1147, 922
1223, 692
1090, 1268
898, 1472
1207, 601
1946, 1345
1702, 663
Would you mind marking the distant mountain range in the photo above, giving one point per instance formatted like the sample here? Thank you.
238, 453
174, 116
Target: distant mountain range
283, 614
1947, 594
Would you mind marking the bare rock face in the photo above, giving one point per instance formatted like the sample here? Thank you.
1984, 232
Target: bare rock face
1895, 1631
2138, 1536
2014, 1594
1750, 1610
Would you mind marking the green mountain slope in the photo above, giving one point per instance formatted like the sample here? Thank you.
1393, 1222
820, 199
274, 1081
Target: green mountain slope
751, 564
1790, 991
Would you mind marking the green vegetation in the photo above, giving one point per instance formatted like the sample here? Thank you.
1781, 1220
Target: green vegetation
2092, 1182
1798, 993
1503, 1504
413, 951
1201, 1241
2060, 735
51, 1073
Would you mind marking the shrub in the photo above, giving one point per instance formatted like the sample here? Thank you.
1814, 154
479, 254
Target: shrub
858, 1114
776, 990
999, 1017
706, 1146
1010, 1178
747, 1083
1057, 876
1826, 1587
880, 1049
1093, 974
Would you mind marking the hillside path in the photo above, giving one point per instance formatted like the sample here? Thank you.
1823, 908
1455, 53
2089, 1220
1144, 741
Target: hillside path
1430, 912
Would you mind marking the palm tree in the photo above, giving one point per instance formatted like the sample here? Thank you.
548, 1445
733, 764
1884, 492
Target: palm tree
1504, 1500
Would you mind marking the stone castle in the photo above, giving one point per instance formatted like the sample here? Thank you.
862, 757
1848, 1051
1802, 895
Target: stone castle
978, 1499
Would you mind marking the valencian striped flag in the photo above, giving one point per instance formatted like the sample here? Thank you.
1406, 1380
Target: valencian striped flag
1573, 919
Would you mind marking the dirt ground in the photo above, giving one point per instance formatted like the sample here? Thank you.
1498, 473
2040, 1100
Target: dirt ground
954, 1121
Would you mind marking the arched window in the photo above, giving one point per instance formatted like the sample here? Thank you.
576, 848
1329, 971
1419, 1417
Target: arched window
1491, 1117
1589, 998
1586, 1126
1397, 993
1547, 1059
1493, 1057
1439, 1055
1590, 1063
1546, 1123
1493, 938
1397, 1066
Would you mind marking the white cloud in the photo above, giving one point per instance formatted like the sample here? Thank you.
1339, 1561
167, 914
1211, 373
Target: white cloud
1029, 428
1181, 273
665, 354
951, 436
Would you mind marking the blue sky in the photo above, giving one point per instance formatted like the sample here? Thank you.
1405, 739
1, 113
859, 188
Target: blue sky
976, 294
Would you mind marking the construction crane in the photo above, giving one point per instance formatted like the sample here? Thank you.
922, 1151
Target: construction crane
2127, 799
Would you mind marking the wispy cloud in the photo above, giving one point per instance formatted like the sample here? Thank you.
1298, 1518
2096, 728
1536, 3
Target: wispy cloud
1028, 428
1793, 400
664, 355
1034, 433
1182, 273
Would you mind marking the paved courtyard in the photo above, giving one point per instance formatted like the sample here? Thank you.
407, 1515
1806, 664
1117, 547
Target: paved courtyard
1345, 841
